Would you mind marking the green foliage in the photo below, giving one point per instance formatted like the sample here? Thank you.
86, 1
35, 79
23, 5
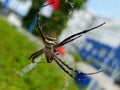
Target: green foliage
15, 49
76, 56
59, 18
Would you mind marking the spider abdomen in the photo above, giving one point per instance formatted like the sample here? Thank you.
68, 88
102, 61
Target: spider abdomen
48, 54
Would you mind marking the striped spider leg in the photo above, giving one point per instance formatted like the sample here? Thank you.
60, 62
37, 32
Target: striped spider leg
51, 45
61, 64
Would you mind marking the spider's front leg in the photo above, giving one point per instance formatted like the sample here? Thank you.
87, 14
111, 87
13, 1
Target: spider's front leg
40, 28
75, 36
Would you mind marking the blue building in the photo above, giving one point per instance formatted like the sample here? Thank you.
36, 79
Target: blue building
100, 56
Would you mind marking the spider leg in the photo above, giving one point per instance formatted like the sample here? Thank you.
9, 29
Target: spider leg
72, 37
40, 28
60, 65
78, 72
84, 31
67, 41
36, 54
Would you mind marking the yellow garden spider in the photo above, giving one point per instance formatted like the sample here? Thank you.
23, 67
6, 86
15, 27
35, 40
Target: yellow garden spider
51, 46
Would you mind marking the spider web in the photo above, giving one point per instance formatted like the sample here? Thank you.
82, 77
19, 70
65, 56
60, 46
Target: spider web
67, 83
70, 10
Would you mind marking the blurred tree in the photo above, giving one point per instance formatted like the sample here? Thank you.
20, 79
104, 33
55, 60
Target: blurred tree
59, 18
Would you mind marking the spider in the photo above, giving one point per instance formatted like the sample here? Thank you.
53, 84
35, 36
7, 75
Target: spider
51, 45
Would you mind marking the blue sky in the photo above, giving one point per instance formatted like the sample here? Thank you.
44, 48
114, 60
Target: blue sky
107, 8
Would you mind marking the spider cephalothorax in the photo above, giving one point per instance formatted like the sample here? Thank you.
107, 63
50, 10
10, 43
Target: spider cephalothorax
51, 46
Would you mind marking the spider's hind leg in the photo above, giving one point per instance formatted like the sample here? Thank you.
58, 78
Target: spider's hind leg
74, 70
63, 68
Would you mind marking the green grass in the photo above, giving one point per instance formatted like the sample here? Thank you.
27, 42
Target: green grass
15, 49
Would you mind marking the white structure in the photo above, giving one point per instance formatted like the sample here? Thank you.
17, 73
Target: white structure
21, 7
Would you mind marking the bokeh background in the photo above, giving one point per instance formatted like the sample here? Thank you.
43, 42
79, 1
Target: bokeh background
94, 51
